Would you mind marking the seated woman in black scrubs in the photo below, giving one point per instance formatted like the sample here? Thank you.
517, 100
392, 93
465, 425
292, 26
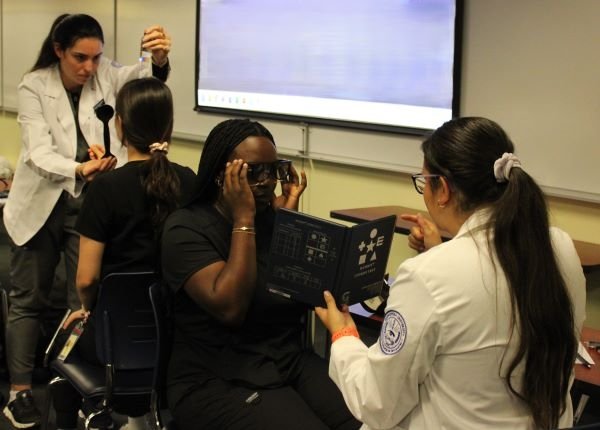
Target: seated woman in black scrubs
122, 216
238, 359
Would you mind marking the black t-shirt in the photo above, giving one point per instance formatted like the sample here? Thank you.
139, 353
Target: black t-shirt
115, 212
258, 354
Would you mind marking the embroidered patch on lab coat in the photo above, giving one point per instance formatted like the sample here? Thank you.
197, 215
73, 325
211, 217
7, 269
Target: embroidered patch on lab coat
393, 333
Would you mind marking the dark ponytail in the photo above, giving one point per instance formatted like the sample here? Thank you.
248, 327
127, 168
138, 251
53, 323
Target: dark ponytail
539, 298
65, 31
464, 151
145, 109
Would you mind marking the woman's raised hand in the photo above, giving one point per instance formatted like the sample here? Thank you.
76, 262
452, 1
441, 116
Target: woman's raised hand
424, 235
237, 194
291, 191
157, 41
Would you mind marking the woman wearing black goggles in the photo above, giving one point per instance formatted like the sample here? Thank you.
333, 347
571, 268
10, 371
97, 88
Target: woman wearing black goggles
240, 361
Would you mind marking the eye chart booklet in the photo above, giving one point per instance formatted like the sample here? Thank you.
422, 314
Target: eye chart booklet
309, 255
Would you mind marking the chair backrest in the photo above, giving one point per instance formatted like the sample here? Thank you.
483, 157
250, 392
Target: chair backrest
160, 302
126, 335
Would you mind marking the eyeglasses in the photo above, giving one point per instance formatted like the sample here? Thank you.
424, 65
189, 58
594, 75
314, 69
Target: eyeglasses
420, 180
259, 173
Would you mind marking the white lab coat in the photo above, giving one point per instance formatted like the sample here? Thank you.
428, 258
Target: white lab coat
46, 164
436, 363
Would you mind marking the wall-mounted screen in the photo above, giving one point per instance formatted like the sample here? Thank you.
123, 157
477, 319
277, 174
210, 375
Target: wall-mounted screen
377, 64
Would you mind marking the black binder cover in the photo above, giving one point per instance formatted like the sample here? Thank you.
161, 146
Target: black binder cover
309, 255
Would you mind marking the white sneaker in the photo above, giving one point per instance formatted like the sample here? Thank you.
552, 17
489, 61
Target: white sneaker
101, 421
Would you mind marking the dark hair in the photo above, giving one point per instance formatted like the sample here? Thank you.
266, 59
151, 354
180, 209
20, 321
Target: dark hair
220, 143
464, 151
145, 108
65, 31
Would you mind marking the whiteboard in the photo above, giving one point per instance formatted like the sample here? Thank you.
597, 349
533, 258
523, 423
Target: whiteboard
531, 66
179, 19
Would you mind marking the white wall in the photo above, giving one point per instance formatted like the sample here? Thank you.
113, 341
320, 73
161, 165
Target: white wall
531, 65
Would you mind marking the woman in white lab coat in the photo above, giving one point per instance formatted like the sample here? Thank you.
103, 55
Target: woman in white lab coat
480, 331
58, 126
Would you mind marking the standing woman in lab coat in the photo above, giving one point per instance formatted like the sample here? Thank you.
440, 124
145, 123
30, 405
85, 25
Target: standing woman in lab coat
58, 126
480, 331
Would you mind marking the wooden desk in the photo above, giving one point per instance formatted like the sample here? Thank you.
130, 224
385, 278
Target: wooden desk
589, 253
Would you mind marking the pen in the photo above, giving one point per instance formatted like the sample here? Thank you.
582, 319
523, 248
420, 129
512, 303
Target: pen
584, 361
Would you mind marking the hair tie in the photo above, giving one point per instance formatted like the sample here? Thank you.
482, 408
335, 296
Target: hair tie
162, 147
503, 166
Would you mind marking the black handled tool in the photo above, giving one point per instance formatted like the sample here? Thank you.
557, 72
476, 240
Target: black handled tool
104, 113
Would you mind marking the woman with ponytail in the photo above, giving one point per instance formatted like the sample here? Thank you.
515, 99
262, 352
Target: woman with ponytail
480, 331
122, 215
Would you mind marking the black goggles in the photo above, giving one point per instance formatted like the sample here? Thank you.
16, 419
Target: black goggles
280, 170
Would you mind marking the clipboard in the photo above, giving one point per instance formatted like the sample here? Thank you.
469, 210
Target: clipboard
50, 346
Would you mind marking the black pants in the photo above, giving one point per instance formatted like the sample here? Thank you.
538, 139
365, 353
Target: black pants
32, 271
310, 401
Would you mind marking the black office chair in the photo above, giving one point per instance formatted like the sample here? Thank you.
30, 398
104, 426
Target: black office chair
160, 298
127, 346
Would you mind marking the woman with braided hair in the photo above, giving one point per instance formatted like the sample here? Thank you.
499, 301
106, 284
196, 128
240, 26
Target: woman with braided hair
480, 331
238, 359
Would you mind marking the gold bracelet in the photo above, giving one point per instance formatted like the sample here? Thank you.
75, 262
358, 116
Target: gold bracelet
248, 230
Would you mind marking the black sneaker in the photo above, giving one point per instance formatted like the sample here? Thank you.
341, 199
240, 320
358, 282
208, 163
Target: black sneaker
22, 412
101, 419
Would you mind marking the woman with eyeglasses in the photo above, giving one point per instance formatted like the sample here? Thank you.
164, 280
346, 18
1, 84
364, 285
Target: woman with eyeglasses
238, 359
480, 331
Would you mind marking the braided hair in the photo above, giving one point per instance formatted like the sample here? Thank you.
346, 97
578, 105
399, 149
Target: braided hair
220, 143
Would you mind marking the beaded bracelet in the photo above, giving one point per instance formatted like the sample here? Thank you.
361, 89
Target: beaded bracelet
346, 331
247, 230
